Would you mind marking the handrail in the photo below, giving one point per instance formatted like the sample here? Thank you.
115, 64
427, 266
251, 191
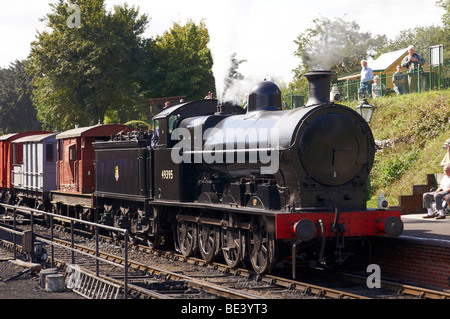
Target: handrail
71, 248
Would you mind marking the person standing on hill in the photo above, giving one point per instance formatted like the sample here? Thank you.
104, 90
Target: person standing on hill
366, 80
413, 61
398, 79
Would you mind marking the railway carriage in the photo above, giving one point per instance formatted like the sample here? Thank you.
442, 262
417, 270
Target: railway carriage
11, 154
73, 193
35, 176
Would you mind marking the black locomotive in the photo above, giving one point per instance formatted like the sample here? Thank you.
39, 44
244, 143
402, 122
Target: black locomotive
221, 179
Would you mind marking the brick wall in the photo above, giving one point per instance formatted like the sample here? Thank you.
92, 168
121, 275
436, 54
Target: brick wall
413, 263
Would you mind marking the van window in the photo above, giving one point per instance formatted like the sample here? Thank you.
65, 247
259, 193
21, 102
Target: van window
50, 153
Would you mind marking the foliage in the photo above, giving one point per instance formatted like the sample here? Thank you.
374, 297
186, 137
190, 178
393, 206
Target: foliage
17, 112
141, 125
184, 62
422, 38
392, 167
413, 128
79, 73
445, 4
413, 118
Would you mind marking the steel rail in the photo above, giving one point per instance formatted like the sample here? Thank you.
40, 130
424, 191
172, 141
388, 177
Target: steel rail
193, 282
306, 288
403, 289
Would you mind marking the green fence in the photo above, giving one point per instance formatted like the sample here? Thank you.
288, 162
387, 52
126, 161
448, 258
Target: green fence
293, 101
429, 78
432, 78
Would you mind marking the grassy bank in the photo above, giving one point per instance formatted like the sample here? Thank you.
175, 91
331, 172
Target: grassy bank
412, 129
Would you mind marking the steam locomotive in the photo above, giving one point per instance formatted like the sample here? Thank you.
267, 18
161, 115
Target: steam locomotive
260, 183
247, 183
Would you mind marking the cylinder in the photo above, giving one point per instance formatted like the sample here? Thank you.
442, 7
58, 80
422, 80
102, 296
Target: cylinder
54, 283
44, 273
319, 87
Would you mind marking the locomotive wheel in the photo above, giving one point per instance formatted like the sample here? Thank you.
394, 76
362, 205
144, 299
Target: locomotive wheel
261, 247
233, 246
187, 237
153, 228
208, 241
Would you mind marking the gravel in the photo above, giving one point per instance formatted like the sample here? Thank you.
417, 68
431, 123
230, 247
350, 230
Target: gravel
26, 285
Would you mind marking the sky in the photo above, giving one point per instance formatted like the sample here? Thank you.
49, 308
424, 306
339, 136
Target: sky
259, 31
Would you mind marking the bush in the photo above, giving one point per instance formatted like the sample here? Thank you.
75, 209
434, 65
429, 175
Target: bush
416, 125
388, 170
139, 125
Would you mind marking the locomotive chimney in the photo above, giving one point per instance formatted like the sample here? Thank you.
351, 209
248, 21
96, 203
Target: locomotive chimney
319, 87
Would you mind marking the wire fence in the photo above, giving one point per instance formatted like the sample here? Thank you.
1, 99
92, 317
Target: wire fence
414, 82
349, 89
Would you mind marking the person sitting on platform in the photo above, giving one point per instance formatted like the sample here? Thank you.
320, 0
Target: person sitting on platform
442, 193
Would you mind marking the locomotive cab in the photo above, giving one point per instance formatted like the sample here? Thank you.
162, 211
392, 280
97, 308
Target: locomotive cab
169, 118
175, 177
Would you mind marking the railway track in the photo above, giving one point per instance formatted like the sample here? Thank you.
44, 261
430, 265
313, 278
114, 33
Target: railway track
217, 282
214, 281
148, 275
198, 279
144, 281
402, 289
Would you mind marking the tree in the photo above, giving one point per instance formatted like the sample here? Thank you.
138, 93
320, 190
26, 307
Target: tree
445, 4
184, 62
335, 45
17, 113
80, 73
420, 37
424, 37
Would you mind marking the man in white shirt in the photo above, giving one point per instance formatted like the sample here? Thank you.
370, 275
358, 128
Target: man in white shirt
366, 80
442, 193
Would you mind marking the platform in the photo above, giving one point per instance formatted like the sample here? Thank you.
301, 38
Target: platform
420, 256
430, 231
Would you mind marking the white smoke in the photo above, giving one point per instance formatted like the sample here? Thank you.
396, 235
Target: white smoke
225, 26
238, 90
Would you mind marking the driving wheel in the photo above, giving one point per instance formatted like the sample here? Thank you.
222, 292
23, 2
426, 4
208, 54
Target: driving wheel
233, 246
261, 247
187, 237
208, 241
